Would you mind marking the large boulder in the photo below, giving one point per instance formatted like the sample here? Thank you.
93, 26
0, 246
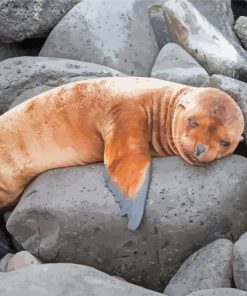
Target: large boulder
190, 29
24, 77
210, 267
68, 215
235, 88
174, 64
116, 34
66, 279
24, 19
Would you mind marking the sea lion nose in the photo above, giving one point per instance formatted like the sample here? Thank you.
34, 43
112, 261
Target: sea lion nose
200, 149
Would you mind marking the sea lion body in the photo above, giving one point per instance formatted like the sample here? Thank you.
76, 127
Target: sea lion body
73, 124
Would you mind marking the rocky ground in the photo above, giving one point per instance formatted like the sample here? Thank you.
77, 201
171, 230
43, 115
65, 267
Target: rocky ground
66, 237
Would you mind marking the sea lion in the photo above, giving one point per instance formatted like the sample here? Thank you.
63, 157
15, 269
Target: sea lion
123, 121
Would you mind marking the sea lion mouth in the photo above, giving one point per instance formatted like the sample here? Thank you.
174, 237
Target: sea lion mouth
189, 158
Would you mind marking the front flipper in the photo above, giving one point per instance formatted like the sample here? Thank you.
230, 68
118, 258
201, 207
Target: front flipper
128, 163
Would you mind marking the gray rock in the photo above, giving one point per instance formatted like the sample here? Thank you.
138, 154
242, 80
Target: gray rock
175, 64
66, 279
4, 262
235, 88
190, 29
159, 24
68, 215
219, 292
24, 19
25, 77
114, 34
210, 267
240, 263
20, 260
241, 30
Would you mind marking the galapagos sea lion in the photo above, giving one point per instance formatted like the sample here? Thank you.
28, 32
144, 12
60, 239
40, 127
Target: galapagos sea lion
123, 121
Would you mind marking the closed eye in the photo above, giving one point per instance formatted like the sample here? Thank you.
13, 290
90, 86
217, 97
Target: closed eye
192, 122
225, 143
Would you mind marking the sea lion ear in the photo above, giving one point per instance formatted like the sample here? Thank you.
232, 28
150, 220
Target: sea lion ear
127, 172
185, 103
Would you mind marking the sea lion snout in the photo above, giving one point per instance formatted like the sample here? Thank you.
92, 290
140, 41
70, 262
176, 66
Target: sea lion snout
200, 149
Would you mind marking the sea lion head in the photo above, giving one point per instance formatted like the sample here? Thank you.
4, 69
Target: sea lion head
207, 125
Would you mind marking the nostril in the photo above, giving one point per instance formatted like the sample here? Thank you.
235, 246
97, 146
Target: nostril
200, 149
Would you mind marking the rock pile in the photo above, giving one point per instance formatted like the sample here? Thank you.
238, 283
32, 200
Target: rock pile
193, 241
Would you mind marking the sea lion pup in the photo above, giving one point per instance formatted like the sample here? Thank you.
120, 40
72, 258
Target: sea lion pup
123, 121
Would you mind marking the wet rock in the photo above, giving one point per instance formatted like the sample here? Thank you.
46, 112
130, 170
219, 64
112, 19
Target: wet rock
190, 29
68, 215
65, 279
210, 267
175, 64
235, 88
241, 30
4, 261
24, 19
25, 77
20, 260
219, 292
114, 34
240, 263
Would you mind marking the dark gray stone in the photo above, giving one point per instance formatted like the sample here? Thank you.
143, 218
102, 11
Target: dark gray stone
210, 267
236, 89
219, 292
116, 34
190, 29
22, 19
175, 64
240, 263
25, 77
68, 215
241, 30
66, 279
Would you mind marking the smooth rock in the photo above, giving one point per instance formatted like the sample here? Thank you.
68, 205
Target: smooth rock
24, 19
68, 215
190, 29
116, 34
235, 88
174, 64
219, 292
4, 261
241, 30
66, 279
240, 263
210, 267
20, 260
25, 77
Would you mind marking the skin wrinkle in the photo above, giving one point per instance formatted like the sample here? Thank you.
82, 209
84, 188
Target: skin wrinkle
120, 120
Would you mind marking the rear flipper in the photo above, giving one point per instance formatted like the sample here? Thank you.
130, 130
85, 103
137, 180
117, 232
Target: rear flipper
128, 161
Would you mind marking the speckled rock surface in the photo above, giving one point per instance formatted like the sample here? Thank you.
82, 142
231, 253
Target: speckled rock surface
68, 215
208, 268
174, 64
24, 77
240, 263
116, 34
22, 19
190, 29
241, 30
219, 292
64, 280
235, 88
